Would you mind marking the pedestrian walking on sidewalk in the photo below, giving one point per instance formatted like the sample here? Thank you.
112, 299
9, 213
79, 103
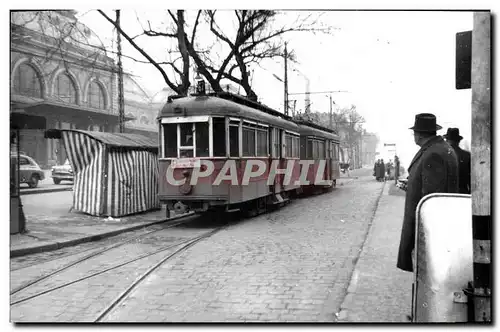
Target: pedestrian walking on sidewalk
381, 170
376, 169
464, 168
434, 169
396, 168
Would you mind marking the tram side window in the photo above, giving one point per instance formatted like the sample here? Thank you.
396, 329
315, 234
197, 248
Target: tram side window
170, 140
321, 150
201, 133
219, 136
248, 142
296, 147
262, 143
275, 142
234, 139
315, 150
309, 149
289, 146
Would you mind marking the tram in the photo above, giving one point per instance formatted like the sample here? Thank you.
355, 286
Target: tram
223, 152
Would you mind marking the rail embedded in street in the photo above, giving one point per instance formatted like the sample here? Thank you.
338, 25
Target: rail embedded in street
124, 294
190, 242
99, 252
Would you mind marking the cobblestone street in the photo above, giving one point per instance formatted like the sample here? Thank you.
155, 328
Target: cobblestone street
292, 265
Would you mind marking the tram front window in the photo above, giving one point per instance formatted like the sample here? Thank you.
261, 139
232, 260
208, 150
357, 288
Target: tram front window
202, 139
170, 140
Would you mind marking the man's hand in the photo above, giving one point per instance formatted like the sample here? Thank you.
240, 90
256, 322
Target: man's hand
402, 184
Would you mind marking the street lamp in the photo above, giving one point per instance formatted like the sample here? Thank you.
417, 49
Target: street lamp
200, 84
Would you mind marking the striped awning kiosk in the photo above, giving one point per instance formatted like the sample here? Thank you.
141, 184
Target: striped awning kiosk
115, 174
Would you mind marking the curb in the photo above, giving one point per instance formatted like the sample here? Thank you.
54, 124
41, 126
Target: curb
344, 310
50, 246
43, 191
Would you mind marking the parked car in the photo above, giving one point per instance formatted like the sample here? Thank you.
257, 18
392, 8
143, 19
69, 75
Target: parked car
29, 171
62, 172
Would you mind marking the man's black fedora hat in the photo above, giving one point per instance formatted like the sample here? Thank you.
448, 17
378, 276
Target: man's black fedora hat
425, 122
453, 134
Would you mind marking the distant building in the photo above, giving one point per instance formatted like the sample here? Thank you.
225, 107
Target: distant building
139, 108
72, 83
369, 148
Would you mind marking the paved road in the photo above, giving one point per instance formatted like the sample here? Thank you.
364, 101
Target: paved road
47, 183
48, 204
293, 265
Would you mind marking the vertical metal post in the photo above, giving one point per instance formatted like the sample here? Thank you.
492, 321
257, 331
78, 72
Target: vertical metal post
481, 166
121, 102
331, 113
286, 82
18, 220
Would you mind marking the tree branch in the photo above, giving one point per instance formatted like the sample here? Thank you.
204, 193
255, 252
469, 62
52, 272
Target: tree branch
153, 62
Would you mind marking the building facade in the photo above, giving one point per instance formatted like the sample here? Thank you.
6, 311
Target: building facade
369, 149
59, 71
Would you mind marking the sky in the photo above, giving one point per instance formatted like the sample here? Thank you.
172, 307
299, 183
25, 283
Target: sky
392, 65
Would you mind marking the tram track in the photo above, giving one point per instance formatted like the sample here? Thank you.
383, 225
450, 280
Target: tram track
177, 222
104, 313
186, 243
44, 261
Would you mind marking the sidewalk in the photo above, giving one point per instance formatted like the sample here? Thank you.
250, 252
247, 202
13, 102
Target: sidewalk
46, 233
378, 291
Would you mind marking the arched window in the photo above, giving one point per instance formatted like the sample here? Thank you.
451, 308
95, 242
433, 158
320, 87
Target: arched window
96, 96
144, 120
27, 81
64, 89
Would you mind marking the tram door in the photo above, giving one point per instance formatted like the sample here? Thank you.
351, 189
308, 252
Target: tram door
278, 180
276, 142
328, 159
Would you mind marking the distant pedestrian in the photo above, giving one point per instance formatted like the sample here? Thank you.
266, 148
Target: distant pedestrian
388, 169
396, 167
434, 169
381, 170
464, 166
375, 168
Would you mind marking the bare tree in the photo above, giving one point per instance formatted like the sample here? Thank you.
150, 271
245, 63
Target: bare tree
255, 37
178, 81
348, 124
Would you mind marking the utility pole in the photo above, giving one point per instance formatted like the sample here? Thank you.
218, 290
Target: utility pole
286, 82
331, 113
121, 102
481, 166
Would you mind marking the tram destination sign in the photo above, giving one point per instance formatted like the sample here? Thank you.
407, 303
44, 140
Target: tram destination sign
186, 163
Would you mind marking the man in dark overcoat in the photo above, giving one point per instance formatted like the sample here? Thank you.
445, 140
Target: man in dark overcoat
434, 169
396, 167
376, 169
381, 170
464, 167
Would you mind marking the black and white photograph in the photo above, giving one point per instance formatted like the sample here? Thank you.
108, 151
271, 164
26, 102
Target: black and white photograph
250, 165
